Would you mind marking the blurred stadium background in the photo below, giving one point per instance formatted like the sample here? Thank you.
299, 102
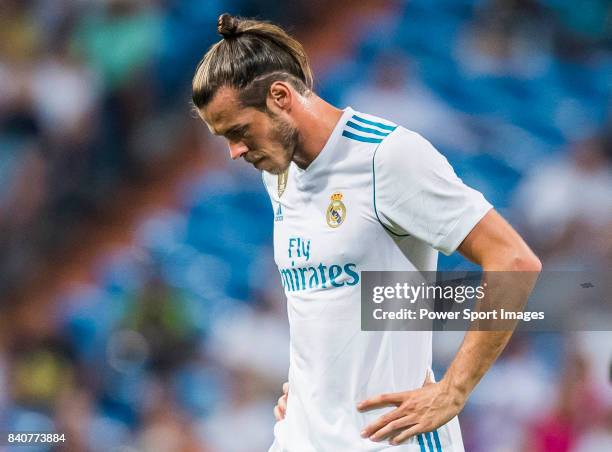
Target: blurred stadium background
139, 304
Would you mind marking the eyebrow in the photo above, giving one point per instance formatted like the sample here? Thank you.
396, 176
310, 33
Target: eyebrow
232, 130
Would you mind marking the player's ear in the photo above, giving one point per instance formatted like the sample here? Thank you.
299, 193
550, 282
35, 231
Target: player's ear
280, 96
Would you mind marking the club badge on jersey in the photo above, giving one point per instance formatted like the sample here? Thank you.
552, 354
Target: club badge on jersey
282, 182
336, 211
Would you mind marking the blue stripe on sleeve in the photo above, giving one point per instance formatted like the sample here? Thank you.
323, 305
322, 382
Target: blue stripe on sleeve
354, 136
366, 129
437, 440
372, 123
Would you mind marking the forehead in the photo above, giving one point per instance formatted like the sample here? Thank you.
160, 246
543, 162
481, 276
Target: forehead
224, 110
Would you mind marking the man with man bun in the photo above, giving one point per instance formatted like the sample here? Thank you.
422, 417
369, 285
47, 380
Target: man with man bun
351, 192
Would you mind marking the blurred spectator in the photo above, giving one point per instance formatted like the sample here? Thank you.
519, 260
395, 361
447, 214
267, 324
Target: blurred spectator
577, 409
159, 317
512, 395
20, 35
395, 92
246, 411
599, 438
40, 372
566, 205
166, 428
583, 29
119, 38
252, 338
507, 37
64, 94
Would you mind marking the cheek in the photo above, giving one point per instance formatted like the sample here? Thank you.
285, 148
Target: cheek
265, 144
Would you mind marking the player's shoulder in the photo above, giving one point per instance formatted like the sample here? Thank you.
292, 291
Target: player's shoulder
407, 143
366, 128
406, 151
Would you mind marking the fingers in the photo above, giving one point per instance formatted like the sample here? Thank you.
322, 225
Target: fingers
281, 405
428, 378
381, 400
277, 413
380, 423
406, 434
392, 427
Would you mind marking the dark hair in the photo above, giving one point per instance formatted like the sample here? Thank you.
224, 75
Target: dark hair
250, 57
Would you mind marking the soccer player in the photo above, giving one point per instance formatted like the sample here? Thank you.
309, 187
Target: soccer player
351, 192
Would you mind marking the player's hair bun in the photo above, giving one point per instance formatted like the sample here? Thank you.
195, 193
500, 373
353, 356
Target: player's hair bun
227, 26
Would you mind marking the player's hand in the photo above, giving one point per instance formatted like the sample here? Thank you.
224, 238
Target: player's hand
281, 405
418, 411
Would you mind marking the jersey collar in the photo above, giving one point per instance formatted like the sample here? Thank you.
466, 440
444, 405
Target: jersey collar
326, 155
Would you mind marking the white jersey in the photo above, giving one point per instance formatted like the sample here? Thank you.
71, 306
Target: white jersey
377, 197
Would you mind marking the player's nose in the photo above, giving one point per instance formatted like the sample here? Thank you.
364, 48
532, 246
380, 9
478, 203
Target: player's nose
237, 150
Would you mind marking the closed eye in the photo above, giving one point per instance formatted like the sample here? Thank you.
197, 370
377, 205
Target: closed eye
236, 133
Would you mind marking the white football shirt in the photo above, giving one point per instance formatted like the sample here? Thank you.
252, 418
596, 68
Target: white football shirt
377, 197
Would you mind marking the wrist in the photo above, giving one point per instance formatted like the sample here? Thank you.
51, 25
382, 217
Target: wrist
458, 392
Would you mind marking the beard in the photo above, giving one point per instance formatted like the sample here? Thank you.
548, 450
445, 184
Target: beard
289, 139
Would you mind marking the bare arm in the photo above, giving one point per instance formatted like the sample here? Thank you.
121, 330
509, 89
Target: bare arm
495, 246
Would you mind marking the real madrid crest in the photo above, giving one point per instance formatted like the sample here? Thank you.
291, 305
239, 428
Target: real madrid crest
336, 211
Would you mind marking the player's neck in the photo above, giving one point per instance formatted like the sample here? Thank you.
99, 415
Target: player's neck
317, 120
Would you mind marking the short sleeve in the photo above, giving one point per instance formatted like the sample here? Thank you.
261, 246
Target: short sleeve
417, 193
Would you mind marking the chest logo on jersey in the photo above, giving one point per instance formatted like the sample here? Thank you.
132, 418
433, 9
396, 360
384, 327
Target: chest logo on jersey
336, 211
